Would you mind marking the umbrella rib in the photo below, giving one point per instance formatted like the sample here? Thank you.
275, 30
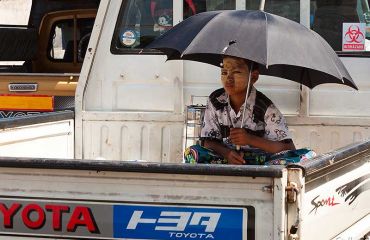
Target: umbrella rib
266, 34
332, 61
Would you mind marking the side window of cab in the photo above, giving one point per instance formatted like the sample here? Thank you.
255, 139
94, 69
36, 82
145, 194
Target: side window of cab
141, 21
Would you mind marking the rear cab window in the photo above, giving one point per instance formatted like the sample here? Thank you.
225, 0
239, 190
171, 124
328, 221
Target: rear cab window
69, 39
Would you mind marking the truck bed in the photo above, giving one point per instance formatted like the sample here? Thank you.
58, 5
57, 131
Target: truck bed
144, 200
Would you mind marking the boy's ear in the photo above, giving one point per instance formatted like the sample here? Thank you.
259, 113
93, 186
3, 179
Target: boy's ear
255, 75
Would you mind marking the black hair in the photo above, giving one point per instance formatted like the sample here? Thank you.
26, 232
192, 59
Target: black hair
255, 65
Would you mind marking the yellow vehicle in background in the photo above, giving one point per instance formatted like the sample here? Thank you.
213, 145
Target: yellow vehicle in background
50, 50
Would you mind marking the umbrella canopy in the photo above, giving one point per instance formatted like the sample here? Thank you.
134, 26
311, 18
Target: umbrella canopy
282, 47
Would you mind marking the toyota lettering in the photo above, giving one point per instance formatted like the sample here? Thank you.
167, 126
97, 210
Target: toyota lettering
164, 222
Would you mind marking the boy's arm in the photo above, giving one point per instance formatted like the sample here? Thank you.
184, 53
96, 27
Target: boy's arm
240, 136
276, 138
232, 156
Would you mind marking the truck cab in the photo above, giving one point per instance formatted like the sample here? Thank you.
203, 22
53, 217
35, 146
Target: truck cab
150, 107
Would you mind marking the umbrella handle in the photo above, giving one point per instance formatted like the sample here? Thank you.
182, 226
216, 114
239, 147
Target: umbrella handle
245, 100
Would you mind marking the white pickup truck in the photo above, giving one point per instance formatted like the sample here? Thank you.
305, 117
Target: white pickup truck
113, 168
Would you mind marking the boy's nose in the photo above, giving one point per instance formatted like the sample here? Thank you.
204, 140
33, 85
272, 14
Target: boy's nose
230, 77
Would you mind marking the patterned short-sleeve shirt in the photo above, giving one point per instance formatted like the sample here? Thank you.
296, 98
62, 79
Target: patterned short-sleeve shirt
219, 116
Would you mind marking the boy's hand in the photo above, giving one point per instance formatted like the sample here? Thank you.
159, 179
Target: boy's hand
234, 157
239, 136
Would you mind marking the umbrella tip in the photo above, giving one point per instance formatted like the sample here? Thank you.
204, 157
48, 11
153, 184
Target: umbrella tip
225, 48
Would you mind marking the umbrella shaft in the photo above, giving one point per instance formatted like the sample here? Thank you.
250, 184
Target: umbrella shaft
247, 93
262, 5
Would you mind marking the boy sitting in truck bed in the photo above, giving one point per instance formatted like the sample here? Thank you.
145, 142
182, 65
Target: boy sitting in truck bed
264, 127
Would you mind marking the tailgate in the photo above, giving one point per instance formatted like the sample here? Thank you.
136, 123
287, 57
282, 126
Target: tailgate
105, 200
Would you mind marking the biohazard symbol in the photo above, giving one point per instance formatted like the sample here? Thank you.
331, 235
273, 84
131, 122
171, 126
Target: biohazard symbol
354, 35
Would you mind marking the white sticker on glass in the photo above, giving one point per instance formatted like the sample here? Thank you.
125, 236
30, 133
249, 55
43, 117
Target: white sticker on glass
354, 36
128, 38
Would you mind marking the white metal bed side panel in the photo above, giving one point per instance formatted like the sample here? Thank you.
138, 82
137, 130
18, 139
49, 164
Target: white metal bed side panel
357, 231
46, 140
134, 140
328, 209
280, 207
323, 139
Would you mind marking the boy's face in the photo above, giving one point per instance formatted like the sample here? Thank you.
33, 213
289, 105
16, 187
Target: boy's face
234, 75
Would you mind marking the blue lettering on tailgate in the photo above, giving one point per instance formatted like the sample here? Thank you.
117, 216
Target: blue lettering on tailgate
165, 222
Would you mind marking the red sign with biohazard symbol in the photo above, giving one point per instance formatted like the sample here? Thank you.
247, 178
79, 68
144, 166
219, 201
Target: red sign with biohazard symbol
353, 37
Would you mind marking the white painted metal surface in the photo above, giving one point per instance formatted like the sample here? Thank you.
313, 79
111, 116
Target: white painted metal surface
336, 100
324, 134
136, 89
357, 231
15, 12
155, 137
155, 189
279, 200
326, 209
295, 182
46, 140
